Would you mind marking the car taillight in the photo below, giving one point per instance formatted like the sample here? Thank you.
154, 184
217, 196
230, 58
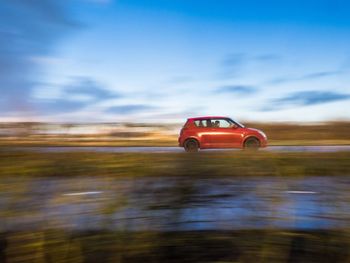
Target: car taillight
182, 131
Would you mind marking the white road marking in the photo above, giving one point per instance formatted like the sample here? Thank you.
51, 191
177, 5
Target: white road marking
84, 193
301, 192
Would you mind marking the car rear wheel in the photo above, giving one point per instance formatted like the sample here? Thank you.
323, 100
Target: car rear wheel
252, 144
191, 145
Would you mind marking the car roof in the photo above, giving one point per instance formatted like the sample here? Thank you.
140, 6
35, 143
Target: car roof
208, 117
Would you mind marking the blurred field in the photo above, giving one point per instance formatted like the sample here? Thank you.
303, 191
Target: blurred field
141, 134
42, 212
329, 133
24, 178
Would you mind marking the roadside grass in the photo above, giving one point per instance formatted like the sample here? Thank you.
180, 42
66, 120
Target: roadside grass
207, 164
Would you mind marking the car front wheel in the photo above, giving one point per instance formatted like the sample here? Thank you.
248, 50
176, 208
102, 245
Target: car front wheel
252, 144
191, 145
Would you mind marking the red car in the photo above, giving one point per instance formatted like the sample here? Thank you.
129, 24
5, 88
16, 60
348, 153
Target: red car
219, 132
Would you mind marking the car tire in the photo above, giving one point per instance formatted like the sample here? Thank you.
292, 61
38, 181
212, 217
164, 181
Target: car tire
251, 143
191, 145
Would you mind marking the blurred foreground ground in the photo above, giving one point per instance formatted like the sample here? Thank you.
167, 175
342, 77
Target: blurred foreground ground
141, 134
170, 206
233, 206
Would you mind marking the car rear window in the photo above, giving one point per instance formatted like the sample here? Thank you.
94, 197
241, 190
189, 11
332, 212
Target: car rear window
186, 124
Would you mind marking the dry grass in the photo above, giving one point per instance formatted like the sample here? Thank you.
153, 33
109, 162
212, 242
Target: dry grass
174, 164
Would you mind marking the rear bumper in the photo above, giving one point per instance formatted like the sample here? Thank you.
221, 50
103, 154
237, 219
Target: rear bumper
180, 142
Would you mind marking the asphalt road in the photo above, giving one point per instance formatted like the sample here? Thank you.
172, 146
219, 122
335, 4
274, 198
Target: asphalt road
330, 148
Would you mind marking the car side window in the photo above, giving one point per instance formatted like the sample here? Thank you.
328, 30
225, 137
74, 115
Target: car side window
200, 123
221, 123
205, 123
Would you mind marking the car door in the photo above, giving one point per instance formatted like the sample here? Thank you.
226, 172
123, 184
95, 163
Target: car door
225, 134
204, 132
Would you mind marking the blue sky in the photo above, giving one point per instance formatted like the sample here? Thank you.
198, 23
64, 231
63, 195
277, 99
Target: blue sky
162, 60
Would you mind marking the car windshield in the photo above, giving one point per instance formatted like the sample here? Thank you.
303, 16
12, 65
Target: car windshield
238, 123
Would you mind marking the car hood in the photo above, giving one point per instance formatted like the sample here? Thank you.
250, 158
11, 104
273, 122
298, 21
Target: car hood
254, 130
257, 131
